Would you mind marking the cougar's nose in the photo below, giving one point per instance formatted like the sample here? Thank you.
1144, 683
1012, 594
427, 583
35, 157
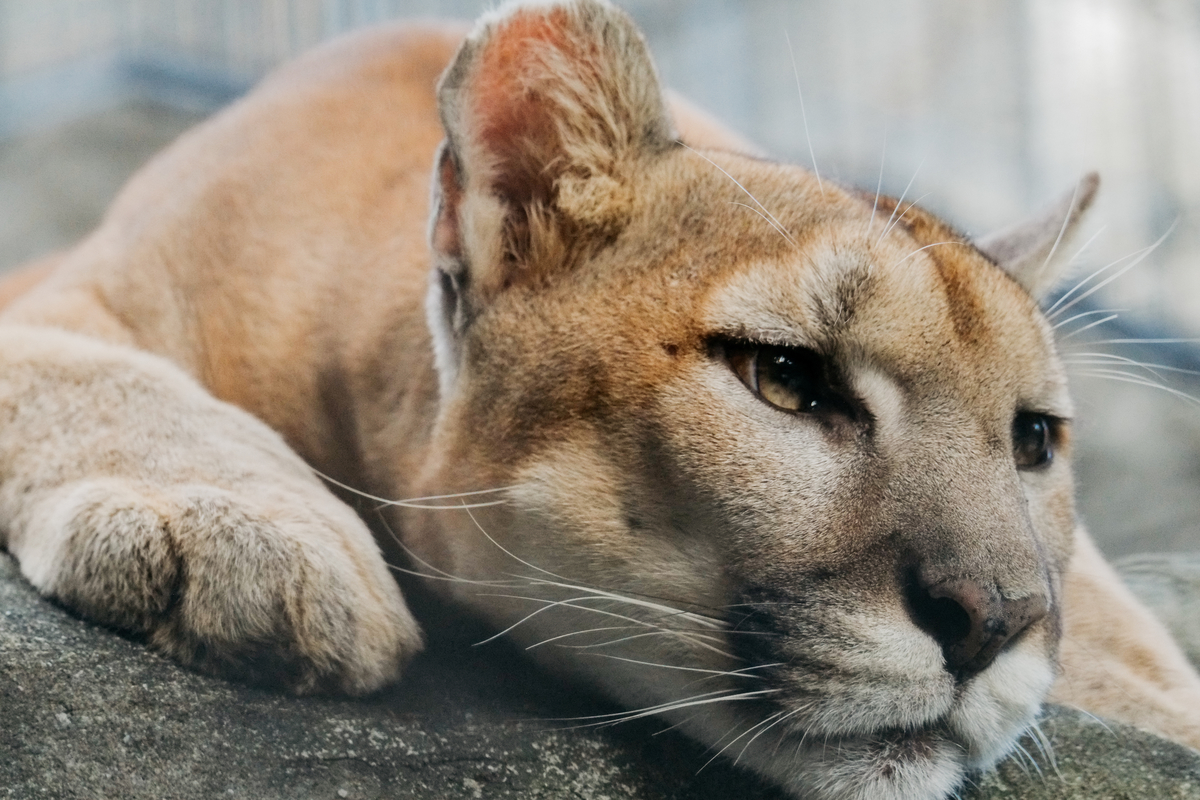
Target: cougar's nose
971, 620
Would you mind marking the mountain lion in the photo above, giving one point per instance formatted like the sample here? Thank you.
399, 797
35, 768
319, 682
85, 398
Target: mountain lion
786, 463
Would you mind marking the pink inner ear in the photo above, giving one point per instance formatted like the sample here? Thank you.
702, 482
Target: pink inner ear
446, 238
515, 123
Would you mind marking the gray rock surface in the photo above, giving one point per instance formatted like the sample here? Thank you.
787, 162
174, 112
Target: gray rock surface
85, 713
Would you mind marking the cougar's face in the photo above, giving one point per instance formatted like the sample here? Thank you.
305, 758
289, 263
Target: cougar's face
798, 484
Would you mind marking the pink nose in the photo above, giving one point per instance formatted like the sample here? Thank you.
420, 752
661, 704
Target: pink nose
971, 620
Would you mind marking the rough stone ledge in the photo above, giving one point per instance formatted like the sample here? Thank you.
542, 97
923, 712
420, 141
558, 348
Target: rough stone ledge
85, 713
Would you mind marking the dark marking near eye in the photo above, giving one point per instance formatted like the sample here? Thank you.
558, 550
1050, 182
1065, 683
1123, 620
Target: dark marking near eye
670, 349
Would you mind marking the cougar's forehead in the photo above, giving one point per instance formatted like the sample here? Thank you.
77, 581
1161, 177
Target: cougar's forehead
933, 317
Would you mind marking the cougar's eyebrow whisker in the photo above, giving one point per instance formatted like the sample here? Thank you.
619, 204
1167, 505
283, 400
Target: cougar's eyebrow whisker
770, 216
803, 113
769, 221
878, 187
888, 225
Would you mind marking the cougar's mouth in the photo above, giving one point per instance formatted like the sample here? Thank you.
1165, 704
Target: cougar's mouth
876, 716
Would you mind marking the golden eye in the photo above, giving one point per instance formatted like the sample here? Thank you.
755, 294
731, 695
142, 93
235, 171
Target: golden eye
1033, 440
788, 381
788, 378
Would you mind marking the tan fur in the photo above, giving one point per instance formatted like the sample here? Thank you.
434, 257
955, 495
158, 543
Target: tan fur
563, 345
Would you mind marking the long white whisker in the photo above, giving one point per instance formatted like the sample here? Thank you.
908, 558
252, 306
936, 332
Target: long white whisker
900, 218
720, 672
713, 623
1046, 746
744, 189
1138, 380
1061, 231
888, 226
803, 114
1138, 258
621, 640
703, 641
510, 554
1028, 757
1069, 320
785, 717
1102, 358
769, 221
418, 502
1087, 327
1080, 284
699, 700
548, 604
926, 247
442, 574
1146, 341
768, 721
878, 187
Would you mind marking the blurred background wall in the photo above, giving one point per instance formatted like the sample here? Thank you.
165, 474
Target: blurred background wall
983, 110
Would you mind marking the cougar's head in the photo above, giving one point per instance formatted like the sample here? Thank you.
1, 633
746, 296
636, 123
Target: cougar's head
782, 463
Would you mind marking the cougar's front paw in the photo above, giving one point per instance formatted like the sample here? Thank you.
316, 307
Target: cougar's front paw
278, 590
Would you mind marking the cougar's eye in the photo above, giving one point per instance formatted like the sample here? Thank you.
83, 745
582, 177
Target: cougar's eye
789, 378
1033, 440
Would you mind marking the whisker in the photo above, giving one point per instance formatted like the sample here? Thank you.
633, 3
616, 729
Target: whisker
712, 623
1046, 746
768, 721
707, 698
744, 189
418, 502
510, 554
715, 672
1138, 257
677, 706
1089, 326
441, 574
1020, 749
1087, 278
803, 114
1146, 341
566, 583
703, 641
1083, 358
769, 221
887, 226
878, 187
926, 247
900, 218
1061, 231
785, 717
1083, 248
1069, 320
1130, 377
623, 639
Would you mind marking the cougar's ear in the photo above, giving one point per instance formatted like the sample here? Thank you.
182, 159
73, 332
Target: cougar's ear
548, 109
1033, 252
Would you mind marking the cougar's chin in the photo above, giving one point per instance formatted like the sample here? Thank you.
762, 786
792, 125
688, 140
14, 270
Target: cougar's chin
922, 762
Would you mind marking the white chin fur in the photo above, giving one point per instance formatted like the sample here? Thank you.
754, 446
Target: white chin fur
980, 728
926, 767
999, 704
